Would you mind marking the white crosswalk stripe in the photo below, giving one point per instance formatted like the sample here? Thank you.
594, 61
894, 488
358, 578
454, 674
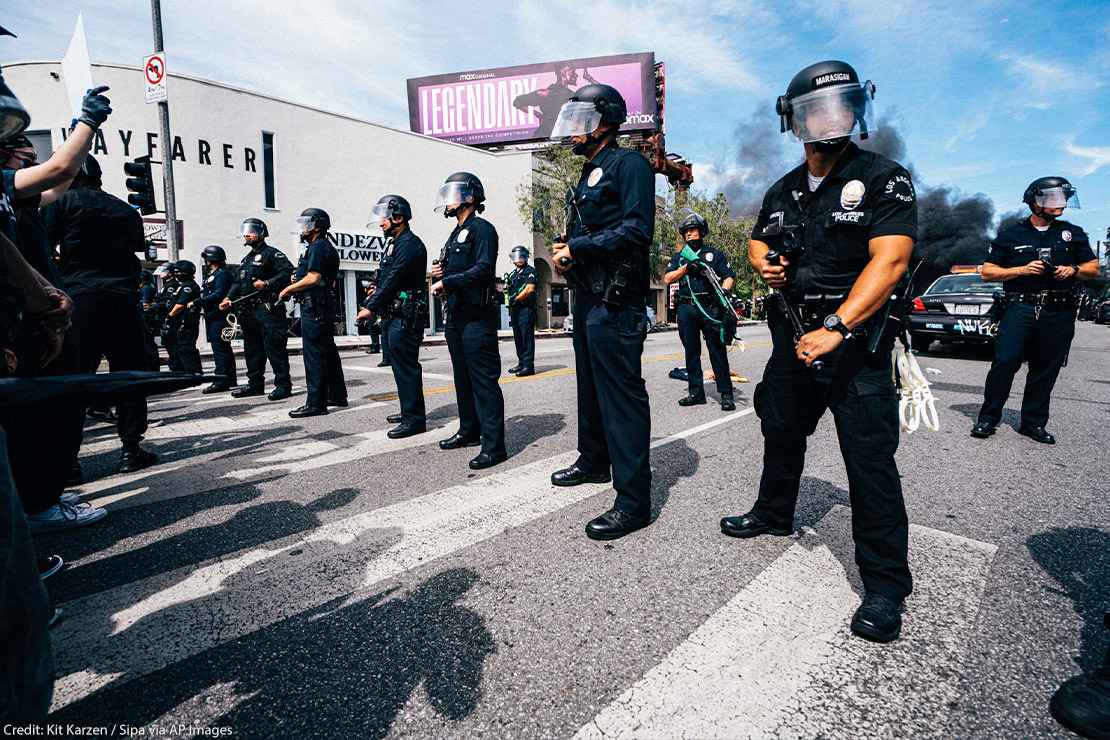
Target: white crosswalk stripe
418, 530
767, 663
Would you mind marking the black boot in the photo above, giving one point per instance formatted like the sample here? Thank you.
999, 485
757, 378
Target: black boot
728, 403
694, 399
1037, 434
982, 430
1082, 703
751, 525
614, 524
878, 618
136, 458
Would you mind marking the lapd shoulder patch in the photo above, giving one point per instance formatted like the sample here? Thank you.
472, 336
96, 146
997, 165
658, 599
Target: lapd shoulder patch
595, 177
900, 187
851, 195
1065, 235
708, 256
462, 236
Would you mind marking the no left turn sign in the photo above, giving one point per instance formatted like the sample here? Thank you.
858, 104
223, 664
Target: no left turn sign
154, 69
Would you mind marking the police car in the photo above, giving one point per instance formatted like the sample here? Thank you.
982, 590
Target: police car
956, 308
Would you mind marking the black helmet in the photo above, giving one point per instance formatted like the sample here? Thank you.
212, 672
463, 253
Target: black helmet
314, 218
146, 276
586, 109
817, 94
459, 189
389, 206
214, 253
694, 221
184, 267
90, 170
14, 118
1051, 192
520, 251
254, 226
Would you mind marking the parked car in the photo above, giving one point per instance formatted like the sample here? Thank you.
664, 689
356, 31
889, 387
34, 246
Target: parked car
955, 308
1102, 312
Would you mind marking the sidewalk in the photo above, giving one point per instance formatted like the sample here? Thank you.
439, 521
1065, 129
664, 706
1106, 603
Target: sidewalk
435, 340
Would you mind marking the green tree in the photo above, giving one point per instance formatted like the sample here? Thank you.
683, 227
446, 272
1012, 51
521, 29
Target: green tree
542, 202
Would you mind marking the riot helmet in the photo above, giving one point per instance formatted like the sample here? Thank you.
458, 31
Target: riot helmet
90, 170
519, 252
14, 118
255, 226
825, 103
586, 109
386, 208
214, 253
1051, 192
184, 268
312, 219
694, 221
458, 190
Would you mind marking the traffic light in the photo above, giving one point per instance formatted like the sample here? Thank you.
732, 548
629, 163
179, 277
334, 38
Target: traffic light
140, 182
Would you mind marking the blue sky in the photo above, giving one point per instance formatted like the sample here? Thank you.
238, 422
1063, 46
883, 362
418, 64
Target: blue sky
987, 95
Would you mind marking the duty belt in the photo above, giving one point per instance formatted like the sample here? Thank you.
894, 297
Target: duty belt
1045, 298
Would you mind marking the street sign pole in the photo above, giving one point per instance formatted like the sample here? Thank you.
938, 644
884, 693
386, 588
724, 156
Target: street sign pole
167, 143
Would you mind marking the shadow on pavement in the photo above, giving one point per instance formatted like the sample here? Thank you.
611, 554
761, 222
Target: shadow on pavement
1076, 558
330, 671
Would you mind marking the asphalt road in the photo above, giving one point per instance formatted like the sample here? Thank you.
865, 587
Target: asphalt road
311, 578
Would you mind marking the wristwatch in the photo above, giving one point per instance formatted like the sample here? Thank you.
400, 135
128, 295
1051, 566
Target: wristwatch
833, 323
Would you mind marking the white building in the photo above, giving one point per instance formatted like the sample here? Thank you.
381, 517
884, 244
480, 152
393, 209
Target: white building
238, 154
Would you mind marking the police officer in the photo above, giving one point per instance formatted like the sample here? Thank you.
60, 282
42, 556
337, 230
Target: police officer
605, 255
402, 297
263, 272
148, 296
185, 316
1039, 261
521, 297
464, 273
842, 226
217, 283
315, 282
383, 269
700, 312
159, 316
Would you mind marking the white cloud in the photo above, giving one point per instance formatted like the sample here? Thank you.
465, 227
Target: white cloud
1097, 156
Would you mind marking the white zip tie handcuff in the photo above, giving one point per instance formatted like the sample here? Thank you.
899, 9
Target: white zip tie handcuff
916, 405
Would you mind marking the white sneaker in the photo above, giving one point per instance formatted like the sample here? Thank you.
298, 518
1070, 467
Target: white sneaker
70, 498
65, 516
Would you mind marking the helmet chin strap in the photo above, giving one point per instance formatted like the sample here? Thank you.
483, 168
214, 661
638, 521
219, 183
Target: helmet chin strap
832, 146
1040, 213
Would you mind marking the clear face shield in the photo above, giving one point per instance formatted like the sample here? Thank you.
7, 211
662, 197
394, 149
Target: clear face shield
14, 118
518, 256
250, 229
452, 196
304, 225
1057, 197
576, 119
834, 113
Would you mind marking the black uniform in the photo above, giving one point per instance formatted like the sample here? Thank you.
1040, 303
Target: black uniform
402, 301
41, 446
262, 319
158, 316
693, 322
471, 332
1038, 322
98, 236
863, 197
323, 370
215, 289
522, 314
148, 298
383, 270
609, 238
186, 326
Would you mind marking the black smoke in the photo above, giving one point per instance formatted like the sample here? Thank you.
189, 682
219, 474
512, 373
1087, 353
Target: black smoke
953, 228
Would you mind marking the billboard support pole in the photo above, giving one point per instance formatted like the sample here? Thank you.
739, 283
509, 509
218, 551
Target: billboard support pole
167, 161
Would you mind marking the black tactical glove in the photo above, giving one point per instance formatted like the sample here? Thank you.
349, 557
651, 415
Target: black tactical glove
95, 108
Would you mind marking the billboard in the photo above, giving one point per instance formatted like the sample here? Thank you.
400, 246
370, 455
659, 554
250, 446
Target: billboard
518, 104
